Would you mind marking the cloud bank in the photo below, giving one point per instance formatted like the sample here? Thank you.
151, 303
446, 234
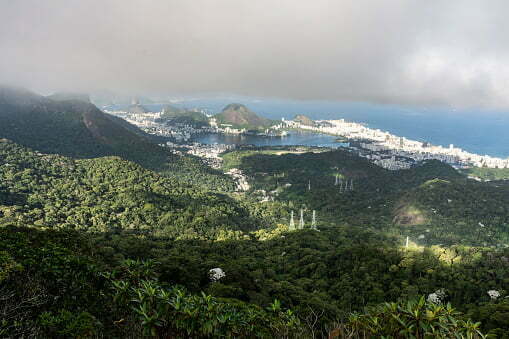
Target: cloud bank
452, 53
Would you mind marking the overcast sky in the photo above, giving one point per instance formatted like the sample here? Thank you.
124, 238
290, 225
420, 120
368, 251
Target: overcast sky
452, 53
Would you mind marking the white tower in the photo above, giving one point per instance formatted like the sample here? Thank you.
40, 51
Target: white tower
301, 221
313, 222
292, 223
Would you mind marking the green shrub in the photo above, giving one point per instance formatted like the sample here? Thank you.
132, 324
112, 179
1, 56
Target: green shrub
494, 317
412, 319
173, 312
66, 324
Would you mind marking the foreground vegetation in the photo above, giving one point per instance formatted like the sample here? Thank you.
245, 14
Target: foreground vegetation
96, 291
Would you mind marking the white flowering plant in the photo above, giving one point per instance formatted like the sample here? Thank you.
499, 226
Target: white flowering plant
437, 297
494, 294
216, 274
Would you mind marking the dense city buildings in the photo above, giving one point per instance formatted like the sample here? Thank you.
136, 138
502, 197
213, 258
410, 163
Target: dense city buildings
383, 146
380, 147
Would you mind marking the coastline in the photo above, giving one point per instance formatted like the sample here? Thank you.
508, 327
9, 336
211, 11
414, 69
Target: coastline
383, 141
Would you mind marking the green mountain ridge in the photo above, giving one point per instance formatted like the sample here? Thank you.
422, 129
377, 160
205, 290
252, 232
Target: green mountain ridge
72, 128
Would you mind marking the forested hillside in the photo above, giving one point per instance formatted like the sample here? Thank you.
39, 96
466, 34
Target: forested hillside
130, 251
107, 195
432, 203
72, 128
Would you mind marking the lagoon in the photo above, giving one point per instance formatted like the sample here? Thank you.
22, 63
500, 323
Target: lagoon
294, 138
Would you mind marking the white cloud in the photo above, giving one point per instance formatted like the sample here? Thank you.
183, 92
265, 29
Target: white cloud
399, 51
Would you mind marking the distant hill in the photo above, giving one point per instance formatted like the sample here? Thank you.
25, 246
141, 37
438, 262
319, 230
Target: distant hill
106, 98
137, 108
304, 120
240, 116
60, 96
172, 114
71, 127
172, 111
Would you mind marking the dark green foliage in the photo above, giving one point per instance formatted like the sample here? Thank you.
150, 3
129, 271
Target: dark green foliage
8, 266
414, 319
53, 285
432, 203
66, 324
110, 194
189, 170
460, 212
44, 272
165, 312
495, 318
330, 273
